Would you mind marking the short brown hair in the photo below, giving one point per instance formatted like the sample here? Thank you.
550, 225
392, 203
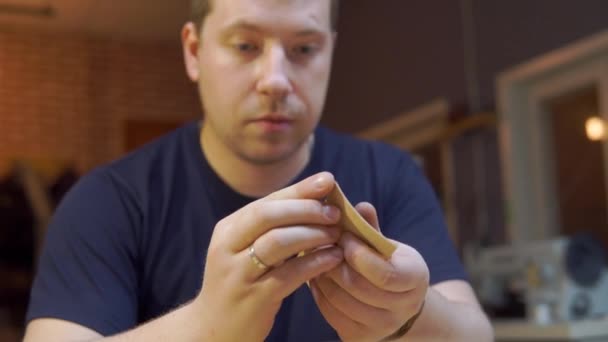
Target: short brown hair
201, 8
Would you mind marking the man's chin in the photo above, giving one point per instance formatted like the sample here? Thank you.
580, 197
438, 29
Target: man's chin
264, 158
268, 154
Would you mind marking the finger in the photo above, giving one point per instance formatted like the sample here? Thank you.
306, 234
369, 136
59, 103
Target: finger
379, 271
363, 290
368, 212
258, 218
334, 317
279, 244
283, 280
351, 307
314, 187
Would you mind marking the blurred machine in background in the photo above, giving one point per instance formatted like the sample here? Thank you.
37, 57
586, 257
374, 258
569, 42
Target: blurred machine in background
550, 289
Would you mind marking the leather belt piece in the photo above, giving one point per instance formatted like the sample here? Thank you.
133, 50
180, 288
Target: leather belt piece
353, 222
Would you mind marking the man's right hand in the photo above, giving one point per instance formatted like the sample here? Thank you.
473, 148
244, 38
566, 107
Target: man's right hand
238, 296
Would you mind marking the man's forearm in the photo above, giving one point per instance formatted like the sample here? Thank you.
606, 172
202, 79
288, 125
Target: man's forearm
445, 320
179, 325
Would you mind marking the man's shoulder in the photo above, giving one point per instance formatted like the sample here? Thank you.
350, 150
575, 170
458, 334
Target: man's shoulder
162, 150
150, 166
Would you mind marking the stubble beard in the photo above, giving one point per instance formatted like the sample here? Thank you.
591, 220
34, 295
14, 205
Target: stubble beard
268, 160
289, 109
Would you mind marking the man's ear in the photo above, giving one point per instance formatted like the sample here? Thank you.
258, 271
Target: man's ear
190, 47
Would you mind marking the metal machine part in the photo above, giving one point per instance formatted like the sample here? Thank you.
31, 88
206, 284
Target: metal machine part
544, 282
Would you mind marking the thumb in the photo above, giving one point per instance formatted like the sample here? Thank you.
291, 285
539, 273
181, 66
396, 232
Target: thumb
368, 212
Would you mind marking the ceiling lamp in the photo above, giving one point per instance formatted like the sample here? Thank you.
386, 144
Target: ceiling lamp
595, 128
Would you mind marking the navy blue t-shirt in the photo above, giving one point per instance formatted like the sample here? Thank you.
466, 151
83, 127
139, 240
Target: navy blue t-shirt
128, 242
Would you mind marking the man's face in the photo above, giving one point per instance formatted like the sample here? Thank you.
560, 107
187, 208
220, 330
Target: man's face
264, 67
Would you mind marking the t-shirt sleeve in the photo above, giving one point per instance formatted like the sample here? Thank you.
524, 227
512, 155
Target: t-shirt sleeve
87, 269
415, 218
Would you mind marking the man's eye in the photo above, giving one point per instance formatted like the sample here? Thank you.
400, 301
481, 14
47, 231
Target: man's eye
304, 50
246, 47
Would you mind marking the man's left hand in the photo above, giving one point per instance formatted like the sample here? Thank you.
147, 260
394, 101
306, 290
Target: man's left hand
368, 298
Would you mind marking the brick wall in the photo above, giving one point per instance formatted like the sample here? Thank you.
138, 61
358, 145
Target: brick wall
67, 97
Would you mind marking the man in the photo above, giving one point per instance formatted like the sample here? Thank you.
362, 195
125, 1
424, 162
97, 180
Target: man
235, 204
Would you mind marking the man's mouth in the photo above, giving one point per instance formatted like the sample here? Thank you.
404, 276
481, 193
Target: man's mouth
274, 123
275, 117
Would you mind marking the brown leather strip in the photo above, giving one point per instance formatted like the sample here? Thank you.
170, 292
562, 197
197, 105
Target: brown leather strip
353, 222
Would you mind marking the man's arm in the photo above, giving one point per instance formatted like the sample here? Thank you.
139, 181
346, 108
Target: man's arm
51, 329
451, 313
183, 324
179, 325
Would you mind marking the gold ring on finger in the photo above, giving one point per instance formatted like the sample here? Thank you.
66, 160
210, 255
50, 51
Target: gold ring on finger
254, 258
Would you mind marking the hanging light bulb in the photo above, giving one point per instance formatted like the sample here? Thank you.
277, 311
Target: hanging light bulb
596, 128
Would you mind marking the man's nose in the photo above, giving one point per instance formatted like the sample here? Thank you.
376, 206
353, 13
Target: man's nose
274, 79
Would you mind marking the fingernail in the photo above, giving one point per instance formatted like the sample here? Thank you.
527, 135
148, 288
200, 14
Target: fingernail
322, 182
331, 212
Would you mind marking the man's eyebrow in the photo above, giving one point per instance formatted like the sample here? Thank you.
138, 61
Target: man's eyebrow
248, 26
241, 25
309, 32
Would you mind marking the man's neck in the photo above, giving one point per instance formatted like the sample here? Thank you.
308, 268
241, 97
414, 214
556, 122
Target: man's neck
249, 179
